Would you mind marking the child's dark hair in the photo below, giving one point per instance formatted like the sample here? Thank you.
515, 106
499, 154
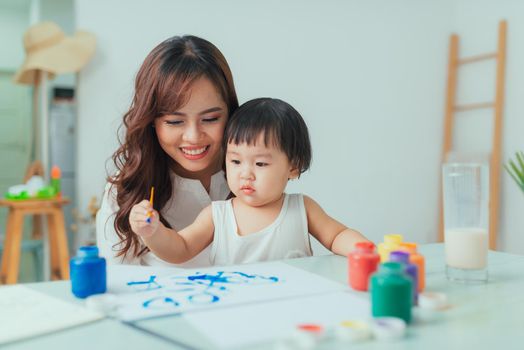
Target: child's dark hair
281, 125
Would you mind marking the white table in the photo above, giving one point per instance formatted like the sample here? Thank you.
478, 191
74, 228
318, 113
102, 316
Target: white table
482, 316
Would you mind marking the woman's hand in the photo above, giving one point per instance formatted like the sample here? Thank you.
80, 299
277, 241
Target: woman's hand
138, 219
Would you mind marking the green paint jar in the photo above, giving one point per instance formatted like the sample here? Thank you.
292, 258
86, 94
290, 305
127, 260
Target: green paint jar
391, 292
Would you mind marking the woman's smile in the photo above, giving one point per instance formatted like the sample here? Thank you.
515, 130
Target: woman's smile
195, 152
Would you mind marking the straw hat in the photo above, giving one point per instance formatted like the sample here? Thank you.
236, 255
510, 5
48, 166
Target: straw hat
48, 49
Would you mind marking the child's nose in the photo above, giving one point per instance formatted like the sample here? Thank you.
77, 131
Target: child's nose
247, 173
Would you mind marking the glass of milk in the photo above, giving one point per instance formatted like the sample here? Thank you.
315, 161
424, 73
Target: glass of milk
466, 197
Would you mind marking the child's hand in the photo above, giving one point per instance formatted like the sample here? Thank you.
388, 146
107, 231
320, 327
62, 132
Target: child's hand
144, 219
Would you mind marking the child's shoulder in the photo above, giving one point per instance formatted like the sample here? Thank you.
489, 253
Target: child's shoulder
296, 196
220, 205
296, 199
221, 202
307, 201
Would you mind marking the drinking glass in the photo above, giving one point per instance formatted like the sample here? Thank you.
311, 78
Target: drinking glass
465, 199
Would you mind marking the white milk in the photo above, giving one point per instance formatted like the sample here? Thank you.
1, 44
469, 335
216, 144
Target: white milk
466, 248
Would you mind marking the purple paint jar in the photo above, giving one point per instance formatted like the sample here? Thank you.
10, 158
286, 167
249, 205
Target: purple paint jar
411, 269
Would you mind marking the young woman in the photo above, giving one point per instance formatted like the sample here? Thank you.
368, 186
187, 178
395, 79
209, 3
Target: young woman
184, 94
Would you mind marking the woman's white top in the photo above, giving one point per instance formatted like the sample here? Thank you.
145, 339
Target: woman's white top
187, 201
287, 237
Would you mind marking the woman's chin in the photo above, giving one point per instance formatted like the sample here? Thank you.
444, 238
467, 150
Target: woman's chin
185, 167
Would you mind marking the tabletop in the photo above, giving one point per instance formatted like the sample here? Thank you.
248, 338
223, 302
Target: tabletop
480, 315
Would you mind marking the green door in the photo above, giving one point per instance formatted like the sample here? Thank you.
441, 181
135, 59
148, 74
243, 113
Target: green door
15, 144
15, 132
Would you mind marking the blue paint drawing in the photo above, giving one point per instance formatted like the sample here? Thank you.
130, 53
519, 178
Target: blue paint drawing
232, 277
148, 285
160, 302
209, 288
203, 298
196, 289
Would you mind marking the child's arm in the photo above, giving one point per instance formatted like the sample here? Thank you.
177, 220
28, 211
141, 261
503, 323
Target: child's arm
332, 234
168, 244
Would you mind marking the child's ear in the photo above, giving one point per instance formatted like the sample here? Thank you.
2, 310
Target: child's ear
293, 174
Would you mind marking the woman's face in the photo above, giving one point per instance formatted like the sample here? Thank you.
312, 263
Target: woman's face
192, 135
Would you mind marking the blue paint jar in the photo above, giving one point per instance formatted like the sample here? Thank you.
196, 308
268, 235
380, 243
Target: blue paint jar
88, 272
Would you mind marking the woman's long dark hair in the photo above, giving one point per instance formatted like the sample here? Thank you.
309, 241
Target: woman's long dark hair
162, 85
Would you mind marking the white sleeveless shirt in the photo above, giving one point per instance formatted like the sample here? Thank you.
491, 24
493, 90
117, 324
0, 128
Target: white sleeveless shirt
286, 237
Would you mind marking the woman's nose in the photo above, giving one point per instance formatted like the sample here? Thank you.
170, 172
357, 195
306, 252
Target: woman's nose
192, 133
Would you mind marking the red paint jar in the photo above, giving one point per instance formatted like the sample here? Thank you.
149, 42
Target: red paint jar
362, 262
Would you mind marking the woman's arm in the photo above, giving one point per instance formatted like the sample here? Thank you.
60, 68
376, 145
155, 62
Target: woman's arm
170, 245
332, 234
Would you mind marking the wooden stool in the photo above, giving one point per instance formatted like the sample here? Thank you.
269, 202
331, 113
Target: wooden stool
52, 208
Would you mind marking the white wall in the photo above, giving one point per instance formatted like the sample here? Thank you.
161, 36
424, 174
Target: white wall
368, 77
14, 19
62, 13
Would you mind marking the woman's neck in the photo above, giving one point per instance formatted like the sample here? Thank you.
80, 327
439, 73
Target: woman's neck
204, 176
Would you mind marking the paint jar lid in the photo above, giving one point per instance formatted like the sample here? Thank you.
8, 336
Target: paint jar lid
432, 301
103, 303
353, 331
365, 246
388, 328
408, 246
392, 267
90, 251
399, 256
306, 336
393, 238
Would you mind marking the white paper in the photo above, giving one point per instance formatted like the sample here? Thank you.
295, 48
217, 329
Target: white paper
25, 312
270, 321
150, 295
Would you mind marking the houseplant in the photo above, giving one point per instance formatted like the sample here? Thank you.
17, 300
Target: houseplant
516, 169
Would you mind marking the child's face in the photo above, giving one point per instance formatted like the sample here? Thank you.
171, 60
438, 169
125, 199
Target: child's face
257, 175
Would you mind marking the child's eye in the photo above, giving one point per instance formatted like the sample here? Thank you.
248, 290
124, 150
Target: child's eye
261, 164
174, 122
235, 161
210, 119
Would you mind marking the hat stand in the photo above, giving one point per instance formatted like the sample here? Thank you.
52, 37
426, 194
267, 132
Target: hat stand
41, 119
41, 147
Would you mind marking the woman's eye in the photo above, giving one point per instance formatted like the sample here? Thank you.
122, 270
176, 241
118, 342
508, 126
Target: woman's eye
174, 122
261, 164
210, 119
